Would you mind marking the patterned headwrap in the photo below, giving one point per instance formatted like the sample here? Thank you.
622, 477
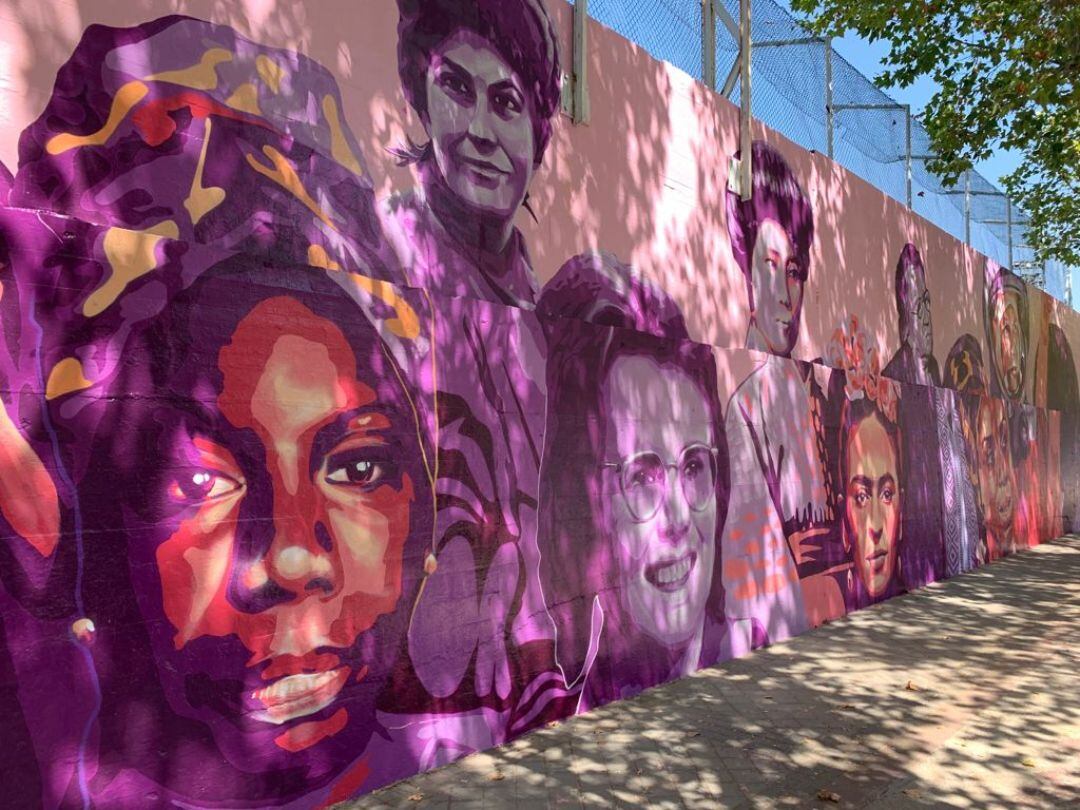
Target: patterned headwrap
185, 129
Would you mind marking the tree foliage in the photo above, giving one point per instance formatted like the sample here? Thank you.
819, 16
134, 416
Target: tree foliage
1008, 74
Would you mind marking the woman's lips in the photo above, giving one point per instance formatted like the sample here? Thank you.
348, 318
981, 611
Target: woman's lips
671, 575
298, 695
877, 558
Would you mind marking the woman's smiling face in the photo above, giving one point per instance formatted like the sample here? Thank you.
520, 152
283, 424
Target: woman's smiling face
289, 532
480, 123
666, 558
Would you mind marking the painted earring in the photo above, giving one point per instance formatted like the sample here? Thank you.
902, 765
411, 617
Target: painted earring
431, 564
84, 631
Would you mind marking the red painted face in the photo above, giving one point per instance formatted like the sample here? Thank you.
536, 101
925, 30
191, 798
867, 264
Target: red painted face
330, 560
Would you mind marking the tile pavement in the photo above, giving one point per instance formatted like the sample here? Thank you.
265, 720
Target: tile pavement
963, 694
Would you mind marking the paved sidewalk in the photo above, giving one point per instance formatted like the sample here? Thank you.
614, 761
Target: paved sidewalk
964, 694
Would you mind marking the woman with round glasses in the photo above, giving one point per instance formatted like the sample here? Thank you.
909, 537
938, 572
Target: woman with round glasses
634, 486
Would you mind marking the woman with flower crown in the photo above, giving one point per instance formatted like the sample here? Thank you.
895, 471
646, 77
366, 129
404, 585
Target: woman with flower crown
868, 464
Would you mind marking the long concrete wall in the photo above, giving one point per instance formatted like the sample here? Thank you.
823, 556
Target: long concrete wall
361, 411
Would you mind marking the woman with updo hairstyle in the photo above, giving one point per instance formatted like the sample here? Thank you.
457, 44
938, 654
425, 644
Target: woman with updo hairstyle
635, 485
483, 77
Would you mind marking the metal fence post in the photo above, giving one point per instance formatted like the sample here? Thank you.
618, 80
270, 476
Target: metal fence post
907, 149
581, 62
745, 136
828, 98
967, 208
708, 43
1008, 229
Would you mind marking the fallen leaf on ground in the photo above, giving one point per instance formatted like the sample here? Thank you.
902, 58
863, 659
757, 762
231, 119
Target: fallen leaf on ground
498, 776
911, 687
1027, 762
416, 797
914, 793
828, 795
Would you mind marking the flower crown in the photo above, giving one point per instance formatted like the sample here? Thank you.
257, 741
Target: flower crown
848, 351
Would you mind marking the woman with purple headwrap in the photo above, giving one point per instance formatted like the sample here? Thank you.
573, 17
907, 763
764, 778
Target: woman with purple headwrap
187, 129
247, 510
635, 489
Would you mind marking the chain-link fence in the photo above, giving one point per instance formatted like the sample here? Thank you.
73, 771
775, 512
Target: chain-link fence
808, 92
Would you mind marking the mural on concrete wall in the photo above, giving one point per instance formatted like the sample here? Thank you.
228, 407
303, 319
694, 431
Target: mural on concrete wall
306, 488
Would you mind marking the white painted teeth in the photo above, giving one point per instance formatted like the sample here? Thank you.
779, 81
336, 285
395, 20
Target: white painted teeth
288, 688
673, 572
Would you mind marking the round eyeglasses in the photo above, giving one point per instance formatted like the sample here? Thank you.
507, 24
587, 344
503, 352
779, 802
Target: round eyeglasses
643, 478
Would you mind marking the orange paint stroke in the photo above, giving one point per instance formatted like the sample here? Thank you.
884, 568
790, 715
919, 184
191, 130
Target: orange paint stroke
126, 97
28, 498
406, 324
201, 200
66, 378
201, 76
285, 176
318, 257
339, 146
270, 72
131, 254
348, 785
245, 98
306, 735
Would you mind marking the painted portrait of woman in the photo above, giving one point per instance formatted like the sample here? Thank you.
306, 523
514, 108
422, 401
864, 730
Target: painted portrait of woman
1006, 318
782, 512
253, 516
991, 447
635, 485
483, 78
870, 457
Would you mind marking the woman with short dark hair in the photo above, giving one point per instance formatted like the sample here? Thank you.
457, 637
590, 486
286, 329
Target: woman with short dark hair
483, 78
635, 485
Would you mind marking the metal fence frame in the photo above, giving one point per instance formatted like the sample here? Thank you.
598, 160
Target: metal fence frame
720, 28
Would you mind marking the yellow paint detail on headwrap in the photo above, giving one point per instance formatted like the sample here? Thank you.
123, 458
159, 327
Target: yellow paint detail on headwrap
202, 76
285, 176
245, 98
66, 378
270, 72
406, 324
318, 257
203, 199
339, 147
126, 97
131, 254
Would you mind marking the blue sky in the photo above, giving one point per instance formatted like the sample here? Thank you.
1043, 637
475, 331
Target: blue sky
868, 58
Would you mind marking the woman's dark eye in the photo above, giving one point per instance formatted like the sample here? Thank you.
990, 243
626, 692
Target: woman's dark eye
199, 485
507, 104
455, 85
354, 470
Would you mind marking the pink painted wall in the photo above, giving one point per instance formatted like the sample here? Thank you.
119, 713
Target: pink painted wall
644, 180
201, 603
